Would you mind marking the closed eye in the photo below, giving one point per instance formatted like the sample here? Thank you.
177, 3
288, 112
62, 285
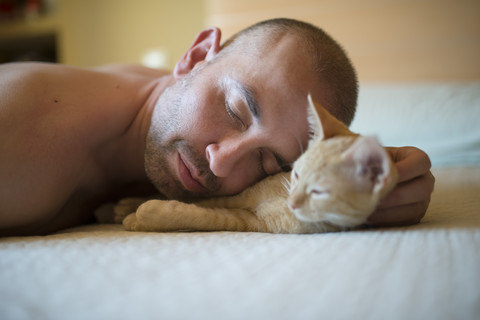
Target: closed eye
233, 115
261, 166
318, 192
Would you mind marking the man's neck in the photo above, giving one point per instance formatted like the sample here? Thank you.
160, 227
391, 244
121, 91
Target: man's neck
125, 163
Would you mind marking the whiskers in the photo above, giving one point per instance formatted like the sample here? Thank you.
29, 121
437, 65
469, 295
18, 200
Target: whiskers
286, 184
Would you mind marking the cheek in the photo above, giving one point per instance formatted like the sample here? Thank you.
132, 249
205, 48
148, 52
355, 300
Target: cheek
198, 120
206, 112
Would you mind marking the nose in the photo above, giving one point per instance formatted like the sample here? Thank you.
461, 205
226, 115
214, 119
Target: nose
224, 156
292, 205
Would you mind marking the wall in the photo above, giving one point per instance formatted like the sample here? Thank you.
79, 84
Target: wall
106, 31
388, 40
94, 32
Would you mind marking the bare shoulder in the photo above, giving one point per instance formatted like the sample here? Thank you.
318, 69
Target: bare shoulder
24, 71
61, 93
51, 118
13, 76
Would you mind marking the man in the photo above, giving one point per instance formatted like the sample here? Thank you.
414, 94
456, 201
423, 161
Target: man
225, 118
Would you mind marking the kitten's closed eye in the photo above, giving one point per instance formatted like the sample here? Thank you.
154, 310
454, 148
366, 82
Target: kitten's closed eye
318, 192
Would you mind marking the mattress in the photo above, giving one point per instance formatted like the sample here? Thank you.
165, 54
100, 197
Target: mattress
426, 271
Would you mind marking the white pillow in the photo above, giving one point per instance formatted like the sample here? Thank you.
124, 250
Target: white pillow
441, 119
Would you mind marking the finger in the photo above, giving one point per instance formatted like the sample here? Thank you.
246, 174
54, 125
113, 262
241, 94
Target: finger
416, 190
411, 162
398, 216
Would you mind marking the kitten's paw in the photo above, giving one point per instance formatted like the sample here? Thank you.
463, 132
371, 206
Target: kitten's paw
156, 207
158, 215
130, 222
124, 207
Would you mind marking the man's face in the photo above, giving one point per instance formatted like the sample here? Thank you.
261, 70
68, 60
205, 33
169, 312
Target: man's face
229, 124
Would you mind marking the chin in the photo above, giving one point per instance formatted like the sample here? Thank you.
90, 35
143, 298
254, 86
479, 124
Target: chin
173, 190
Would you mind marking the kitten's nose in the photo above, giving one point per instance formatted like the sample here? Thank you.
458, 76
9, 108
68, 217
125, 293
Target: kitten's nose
292, 205
296, 199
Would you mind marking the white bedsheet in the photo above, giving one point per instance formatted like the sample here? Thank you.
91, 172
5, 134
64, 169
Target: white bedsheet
428, 271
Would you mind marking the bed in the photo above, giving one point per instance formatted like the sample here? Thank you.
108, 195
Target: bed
427, 271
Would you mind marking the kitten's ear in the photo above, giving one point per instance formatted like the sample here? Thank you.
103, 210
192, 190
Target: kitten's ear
373, 165
322, 123
314, 122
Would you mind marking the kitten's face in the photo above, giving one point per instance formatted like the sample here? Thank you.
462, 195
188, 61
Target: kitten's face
326, 186
341, 177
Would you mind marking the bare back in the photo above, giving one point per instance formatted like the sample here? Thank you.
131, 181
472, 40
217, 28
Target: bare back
59, 126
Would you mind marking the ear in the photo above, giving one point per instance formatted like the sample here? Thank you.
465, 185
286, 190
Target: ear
323, 124
373, 165
204, 48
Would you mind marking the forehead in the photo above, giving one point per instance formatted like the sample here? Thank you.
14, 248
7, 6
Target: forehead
282, 61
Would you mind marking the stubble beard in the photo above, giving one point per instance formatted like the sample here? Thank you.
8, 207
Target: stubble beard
162, 143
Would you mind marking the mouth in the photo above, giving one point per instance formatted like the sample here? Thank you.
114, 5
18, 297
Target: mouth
187, 176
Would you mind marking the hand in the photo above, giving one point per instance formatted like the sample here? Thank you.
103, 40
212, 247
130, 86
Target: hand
408, 202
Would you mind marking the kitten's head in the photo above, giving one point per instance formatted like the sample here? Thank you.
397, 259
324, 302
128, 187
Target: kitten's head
342, 176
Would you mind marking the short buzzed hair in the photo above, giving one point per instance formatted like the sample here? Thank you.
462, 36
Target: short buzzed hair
330, 62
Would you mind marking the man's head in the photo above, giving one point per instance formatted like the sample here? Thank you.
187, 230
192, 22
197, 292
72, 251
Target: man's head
238, 112
328, 61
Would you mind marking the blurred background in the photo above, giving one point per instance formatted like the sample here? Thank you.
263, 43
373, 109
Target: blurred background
388, 40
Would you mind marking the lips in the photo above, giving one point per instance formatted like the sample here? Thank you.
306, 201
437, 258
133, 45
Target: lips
187, 176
